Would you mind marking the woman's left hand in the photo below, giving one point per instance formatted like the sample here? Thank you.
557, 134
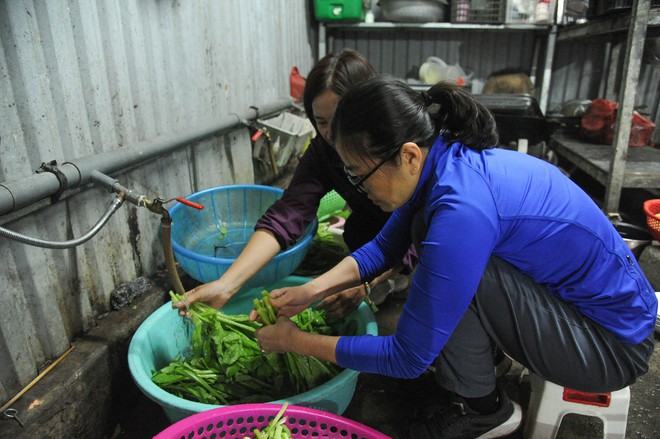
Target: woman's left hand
343, 303
276, 337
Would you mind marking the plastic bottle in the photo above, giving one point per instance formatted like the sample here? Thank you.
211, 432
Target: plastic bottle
462, 10
542, 11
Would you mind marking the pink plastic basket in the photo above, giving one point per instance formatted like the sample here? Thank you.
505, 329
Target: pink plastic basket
238, 421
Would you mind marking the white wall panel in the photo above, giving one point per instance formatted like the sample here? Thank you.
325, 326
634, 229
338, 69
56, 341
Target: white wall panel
81, 77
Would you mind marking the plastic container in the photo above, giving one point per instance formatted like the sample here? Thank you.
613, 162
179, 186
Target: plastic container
288, 133
206, 242
478, 11
414, 11
432, 70
331, 204
522, 11
637, 238
165, 335
531, 11
652, 209
235, 422
338, 10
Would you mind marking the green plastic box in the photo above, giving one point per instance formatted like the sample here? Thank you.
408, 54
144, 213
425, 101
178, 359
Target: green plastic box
339, 10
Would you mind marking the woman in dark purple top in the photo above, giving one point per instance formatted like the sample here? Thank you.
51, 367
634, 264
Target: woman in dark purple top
319, 171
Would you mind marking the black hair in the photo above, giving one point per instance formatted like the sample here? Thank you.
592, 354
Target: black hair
337, 72
383, 113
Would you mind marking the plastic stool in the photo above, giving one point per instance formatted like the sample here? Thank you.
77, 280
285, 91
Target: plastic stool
549, 403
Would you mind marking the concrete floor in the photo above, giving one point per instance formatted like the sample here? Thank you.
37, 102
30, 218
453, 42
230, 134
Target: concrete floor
388, 404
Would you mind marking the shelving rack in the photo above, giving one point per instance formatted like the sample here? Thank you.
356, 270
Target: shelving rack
616, 167
544, 33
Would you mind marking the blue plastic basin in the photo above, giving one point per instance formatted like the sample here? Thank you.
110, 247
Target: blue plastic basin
206, 242
164, 335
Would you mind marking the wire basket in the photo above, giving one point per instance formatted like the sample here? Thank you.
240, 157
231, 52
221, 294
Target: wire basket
478, 11
238, 421
652, 209
288, 133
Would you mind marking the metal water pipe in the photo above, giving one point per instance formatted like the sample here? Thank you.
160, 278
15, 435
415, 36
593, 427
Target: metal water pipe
155, 205
55, 179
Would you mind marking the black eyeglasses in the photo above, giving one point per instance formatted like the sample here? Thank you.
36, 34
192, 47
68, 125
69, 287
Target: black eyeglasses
358, 182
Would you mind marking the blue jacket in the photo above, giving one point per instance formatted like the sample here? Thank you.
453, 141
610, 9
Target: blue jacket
519, 208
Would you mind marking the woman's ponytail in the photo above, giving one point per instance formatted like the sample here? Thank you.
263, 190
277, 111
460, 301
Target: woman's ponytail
460, 117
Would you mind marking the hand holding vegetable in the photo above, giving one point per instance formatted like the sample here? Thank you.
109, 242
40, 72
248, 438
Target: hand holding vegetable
343, 303
260, 249
225, 364
277, 336
290, 300
213, 294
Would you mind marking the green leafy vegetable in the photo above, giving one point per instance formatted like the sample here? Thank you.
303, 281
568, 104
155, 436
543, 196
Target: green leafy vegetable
227, 366
304, 372
276, 428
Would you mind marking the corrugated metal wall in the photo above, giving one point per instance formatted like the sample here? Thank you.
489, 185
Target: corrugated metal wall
84, 77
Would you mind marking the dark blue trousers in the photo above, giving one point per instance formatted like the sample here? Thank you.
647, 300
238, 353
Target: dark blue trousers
548, 336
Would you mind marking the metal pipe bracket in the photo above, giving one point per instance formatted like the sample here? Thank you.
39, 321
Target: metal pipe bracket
61, 178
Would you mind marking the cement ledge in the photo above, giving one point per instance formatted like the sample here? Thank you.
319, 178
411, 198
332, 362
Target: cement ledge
85, 395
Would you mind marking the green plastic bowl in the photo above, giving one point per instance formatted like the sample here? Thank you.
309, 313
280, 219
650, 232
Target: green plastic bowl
165, 335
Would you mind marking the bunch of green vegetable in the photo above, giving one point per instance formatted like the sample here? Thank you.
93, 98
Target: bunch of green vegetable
276, 428
227, 366
304, 372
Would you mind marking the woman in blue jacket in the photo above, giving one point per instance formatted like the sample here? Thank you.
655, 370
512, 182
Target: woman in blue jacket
513, 255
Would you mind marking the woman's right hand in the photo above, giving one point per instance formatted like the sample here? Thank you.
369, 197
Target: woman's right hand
212, 293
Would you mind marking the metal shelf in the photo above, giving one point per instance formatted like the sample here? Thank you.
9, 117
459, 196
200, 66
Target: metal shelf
617, 166
384, 25
642, 168
547, 31
617, 23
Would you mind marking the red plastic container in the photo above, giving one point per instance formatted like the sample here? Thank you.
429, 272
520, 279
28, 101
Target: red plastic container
652, 209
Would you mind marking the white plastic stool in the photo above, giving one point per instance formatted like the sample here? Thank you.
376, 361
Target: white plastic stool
549, 403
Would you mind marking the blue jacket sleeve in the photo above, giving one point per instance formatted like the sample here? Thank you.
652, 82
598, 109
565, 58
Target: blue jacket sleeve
461, 236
